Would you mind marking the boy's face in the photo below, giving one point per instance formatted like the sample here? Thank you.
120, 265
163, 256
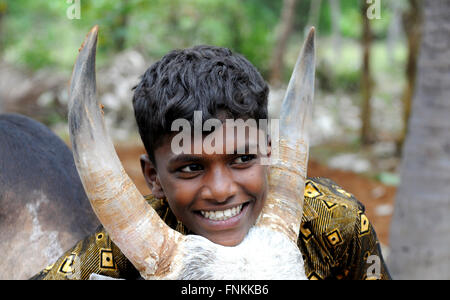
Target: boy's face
217, 196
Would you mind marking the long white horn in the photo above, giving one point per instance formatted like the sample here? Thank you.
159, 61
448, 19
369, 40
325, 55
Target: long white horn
132, 224
284, 205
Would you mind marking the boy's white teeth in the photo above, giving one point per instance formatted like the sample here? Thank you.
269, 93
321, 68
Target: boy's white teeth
221, 215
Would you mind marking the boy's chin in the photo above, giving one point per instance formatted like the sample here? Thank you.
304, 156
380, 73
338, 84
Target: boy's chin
228, 240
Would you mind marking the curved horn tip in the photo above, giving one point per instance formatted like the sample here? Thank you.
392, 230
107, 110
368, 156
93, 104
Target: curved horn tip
91, 35
310, 38
93, 32
94, 29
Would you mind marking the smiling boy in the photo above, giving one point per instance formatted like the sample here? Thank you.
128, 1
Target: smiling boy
220, 195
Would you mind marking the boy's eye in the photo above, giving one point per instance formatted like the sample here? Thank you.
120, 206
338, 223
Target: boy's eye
191, 168
244, 159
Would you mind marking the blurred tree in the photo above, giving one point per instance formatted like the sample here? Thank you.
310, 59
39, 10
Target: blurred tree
35, 35
41, 35
314, 13
156, 27
2, 42
258, 31
393, 33
412, 24
366, 80
284, 29
335, 28
3, 7
113, 19
419, 237
120, 22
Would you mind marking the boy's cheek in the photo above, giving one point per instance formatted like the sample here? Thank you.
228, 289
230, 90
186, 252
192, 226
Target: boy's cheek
180, 196
257, 180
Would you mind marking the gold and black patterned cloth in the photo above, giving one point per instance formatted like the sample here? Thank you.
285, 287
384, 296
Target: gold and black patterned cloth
336, 239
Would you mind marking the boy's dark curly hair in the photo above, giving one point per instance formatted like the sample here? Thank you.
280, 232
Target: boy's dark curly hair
219, 83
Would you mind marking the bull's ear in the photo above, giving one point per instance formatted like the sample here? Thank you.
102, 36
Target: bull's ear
151, 176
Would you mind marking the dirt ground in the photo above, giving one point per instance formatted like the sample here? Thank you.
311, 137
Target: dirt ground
377, 197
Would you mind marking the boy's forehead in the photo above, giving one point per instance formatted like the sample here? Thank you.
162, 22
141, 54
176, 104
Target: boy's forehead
226, 138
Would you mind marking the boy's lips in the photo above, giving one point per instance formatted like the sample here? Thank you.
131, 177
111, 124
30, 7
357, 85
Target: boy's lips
224, 218
222, 215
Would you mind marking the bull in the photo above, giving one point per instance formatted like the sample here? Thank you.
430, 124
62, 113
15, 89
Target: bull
156, 250
43, 207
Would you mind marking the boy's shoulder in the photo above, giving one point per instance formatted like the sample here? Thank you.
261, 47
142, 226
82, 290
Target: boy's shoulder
336, 234
333, 223
332, 211
323, 192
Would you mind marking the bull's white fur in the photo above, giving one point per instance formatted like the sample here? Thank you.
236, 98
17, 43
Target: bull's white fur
263, 254
38, 236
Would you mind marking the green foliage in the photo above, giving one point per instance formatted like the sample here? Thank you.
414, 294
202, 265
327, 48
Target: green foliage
39, 34
346, 80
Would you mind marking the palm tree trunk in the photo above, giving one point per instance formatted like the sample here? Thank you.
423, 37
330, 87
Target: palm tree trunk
366, 80
412, 23
420, 230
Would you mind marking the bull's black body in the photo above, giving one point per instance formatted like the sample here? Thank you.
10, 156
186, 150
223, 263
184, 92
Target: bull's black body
43, 207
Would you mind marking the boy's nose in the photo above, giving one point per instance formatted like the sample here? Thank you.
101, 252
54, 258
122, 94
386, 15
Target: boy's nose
219, 186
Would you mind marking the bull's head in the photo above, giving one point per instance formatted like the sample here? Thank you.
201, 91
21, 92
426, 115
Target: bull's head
154, 248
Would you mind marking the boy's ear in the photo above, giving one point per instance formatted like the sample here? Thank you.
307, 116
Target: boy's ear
151, 176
